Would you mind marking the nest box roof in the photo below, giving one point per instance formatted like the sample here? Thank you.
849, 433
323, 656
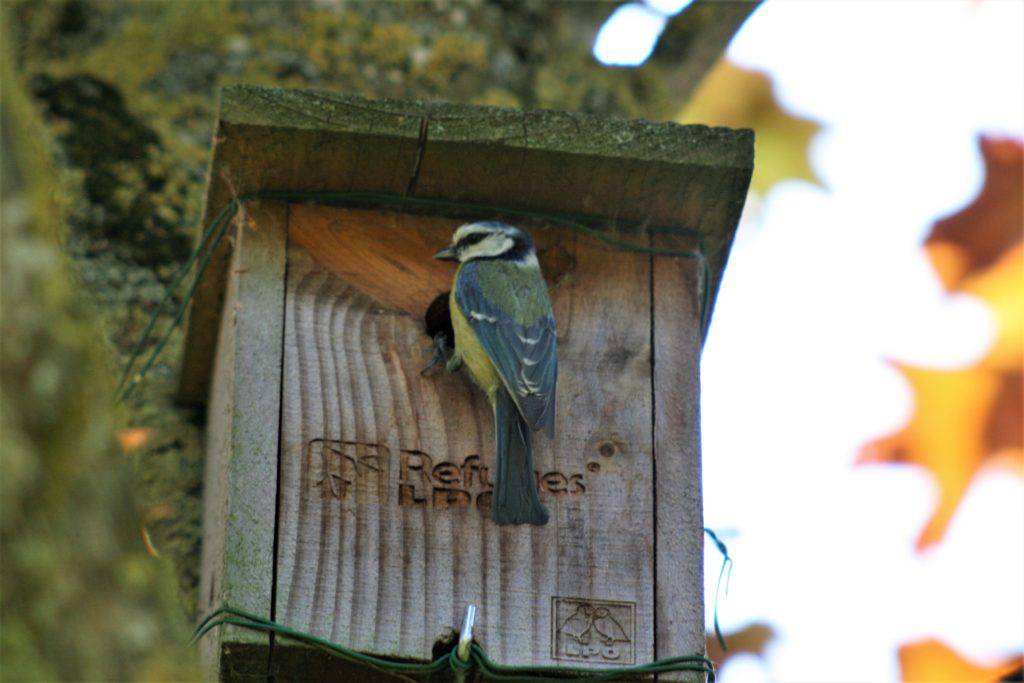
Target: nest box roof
603, 170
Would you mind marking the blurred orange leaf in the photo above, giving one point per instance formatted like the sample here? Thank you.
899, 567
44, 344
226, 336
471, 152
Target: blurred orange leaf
1001, 287
930, 661
981, 233
155, 513
147, 542
752, 639
158, 512
947, 434
743, 98
966, 418
133, 438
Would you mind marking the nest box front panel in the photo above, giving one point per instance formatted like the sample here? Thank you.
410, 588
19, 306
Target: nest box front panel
384, 532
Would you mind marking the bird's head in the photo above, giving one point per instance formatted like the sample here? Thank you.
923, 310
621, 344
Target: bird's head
489, 240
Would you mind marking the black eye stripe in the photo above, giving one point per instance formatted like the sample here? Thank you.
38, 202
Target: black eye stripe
471, 239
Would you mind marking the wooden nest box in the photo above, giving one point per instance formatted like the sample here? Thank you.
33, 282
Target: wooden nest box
346, 495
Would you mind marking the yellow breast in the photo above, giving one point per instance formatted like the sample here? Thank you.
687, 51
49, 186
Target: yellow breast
473, 354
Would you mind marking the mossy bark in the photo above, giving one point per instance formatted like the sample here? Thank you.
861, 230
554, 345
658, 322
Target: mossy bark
82, 600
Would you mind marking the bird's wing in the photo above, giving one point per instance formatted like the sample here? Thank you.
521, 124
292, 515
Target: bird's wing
509, 309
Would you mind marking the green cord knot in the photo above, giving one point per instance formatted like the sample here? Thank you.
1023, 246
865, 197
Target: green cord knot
457, 664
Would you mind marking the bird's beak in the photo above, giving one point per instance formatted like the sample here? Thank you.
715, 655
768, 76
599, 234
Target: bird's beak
446, 254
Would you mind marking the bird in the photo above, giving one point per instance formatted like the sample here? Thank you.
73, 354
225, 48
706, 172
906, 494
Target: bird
505, 336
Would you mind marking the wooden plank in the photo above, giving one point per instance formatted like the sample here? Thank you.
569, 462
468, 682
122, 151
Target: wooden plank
545, 161
241, 465
679, 532
361, 247
384, 534
218, 458
604, 422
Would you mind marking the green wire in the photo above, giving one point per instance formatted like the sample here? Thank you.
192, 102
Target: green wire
219, 227
725, 571
206, 248
478, 658
251, 621
501, 672
178, 278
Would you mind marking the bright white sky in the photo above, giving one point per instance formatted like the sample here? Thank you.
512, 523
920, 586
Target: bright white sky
822, 286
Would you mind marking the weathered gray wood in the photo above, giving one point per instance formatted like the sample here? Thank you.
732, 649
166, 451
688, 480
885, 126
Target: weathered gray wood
679, 530
241, 464
546, 161
382, 536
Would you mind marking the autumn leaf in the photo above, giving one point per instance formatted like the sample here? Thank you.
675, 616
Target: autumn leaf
969, 418
155, 513
147, 543
752, 639
930, 661
948, 434
133, 438
1001, 287
974, 238
743, 98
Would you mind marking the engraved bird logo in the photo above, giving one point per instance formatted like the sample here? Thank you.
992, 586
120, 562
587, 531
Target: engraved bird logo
577, 626
589, 620
608, 629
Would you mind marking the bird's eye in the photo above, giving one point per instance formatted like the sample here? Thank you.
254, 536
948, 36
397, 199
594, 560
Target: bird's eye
471, 239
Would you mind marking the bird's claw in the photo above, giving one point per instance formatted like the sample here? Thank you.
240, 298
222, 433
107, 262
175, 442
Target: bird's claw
454, 363
443, 351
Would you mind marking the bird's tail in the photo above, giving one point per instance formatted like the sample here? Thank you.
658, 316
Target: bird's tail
515, 499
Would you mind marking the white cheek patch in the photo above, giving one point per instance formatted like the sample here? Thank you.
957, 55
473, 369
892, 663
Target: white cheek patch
495, 245
467, 230
528, 261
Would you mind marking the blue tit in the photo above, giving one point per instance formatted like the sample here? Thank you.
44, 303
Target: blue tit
505, 335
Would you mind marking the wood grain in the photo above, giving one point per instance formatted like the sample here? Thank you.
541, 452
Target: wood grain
680, 527
384, 255
241, 464
634, 171
384, 535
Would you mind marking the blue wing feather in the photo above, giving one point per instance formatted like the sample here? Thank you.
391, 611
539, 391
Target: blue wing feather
524, 355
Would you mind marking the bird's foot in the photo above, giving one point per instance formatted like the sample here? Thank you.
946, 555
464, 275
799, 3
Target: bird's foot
454, 363
443, 351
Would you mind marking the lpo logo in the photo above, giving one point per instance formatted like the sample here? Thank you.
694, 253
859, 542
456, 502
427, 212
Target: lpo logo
596, 631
